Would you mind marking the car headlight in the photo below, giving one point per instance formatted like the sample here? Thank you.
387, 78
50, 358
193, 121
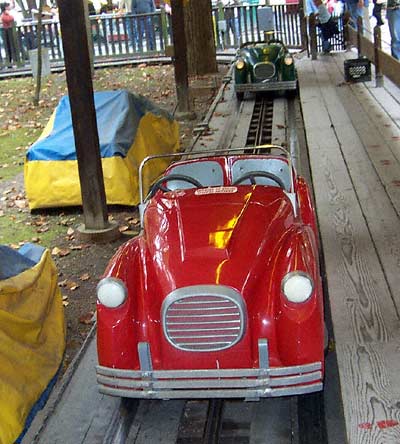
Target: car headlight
297, 286
288, 59
111, 292
240, 64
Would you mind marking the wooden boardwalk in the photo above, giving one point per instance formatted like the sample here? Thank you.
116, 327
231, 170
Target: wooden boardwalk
353, 135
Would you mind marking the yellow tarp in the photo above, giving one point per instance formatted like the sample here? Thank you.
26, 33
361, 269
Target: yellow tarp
32, 342
54, 183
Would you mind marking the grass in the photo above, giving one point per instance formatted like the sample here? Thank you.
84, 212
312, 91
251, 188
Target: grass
21, 124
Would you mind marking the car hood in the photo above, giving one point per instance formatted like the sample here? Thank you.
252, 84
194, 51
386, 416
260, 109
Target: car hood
196, 237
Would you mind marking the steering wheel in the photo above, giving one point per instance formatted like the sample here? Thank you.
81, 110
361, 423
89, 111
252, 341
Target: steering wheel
253, 174
158, 184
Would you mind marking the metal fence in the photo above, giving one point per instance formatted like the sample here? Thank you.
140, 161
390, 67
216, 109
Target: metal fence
130, 36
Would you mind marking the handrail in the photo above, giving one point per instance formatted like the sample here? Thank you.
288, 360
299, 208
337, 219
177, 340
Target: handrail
206, 153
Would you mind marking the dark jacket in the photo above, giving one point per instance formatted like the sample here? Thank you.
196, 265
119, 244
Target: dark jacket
143, 6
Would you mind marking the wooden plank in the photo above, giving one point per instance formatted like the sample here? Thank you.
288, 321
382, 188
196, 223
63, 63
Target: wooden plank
81, 407
362, 308
156, 422
380, 215
363, 312
373, 384
382, 143
390, 66
279, 125
282, 416
240, 135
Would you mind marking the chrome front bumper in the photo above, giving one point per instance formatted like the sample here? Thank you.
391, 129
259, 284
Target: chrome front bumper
250, 383
267, 86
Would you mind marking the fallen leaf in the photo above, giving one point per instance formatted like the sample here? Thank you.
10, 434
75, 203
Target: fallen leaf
123, 228
72, 285
87, 318
85, 277
55, 251
70, 231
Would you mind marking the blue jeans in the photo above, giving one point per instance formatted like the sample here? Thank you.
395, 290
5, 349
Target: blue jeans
393, 16
310, 7
131, 28
146, 26
355, 12
232, 24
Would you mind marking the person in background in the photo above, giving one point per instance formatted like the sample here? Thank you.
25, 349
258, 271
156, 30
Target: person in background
356, 9
92, 9
131, 26
7, 21
310, 7
393, 17
377, 12
326, 24
167, 6
145, 24
232, 22
366, 22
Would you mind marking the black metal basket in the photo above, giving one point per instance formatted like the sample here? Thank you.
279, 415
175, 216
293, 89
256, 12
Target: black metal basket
357, 70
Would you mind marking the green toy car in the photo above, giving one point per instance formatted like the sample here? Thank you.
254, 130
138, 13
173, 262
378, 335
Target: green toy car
264, 67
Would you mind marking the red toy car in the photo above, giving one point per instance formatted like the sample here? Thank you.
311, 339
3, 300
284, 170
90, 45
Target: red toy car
220, 295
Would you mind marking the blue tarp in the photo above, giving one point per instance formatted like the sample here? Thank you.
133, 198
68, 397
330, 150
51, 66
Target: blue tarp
15, 262
118, 116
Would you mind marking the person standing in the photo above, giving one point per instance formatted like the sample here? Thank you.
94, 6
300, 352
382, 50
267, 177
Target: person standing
145, 23
356, 9
377, 12
126, 5
326, 24
7, 21
393, 17
232, 23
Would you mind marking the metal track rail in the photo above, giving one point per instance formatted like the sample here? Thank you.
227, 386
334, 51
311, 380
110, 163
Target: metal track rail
260, 130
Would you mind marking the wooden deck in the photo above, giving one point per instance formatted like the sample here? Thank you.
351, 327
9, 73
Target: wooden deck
353, 135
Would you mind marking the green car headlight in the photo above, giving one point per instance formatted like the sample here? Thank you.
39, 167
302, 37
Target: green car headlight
240, 64
288, 59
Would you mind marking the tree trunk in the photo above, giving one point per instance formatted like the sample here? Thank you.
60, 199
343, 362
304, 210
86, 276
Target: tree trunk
199, 27
39, 56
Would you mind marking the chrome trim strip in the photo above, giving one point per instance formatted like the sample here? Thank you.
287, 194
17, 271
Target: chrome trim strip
218, 291
214, 373
263, 353
146, 365
206, 153
227, 383
182, 384
200, 394
268, 86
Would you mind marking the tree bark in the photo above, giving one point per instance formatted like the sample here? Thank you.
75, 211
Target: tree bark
39, 56
199, 28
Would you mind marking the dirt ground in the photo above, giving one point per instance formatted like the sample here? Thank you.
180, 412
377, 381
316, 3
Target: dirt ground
80, 264
83, 266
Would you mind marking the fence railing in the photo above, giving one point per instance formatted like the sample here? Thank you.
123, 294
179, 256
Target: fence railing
130, 36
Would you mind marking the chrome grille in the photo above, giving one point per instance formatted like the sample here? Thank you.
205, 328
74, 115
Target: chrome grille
264, 71
203, 318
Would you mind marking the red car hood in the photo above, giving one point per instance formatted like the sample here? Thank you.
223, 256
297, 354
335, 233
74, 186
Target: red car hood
215, 238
